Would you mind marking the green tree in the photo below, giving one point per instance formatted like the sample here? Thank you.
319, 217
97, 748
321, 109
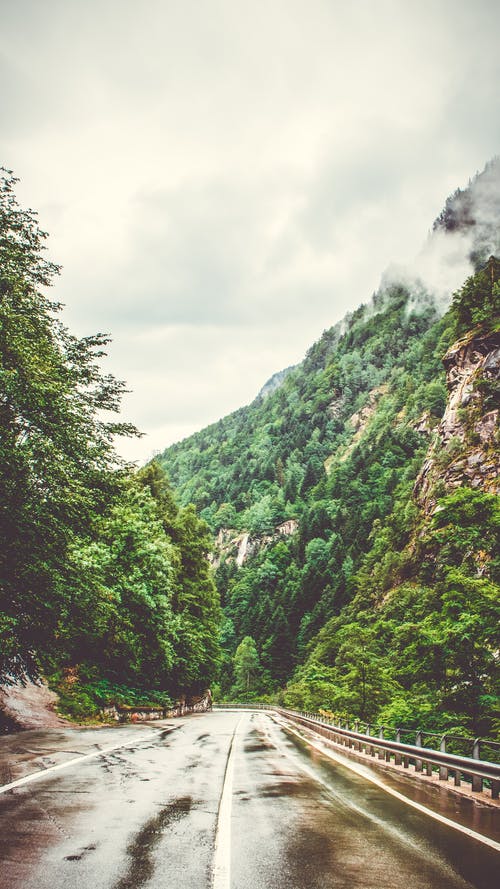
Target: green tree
58, 465
195, 599
122, 619
478, 301
246, 665
363, 676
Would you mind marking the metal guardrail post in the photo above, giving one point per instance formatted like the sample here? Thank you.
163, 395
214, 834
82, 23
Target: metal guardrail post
443, 771
418, 743
477, 781
397, 756
381, 753
388, 754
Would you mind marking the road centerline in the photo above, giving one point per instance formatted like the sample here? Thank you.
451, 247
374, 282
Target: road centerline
221, 872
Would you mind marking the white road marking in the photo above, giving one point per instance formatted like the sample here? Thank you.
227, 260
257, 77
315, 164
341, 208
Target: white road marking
43, 773
326, 751
221, 873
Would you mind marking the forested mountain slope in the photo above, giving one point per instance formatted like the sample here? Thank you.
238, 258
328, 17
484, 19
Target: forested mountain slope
338, 447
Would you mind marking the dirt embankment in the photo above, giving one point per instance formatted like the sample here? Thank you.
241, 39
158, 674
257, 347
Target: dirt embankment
29, 706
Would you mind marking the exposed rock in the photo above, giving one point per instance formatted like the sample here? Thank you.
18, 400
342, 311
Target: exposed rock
287, 528
486, 427
466, 448
423, 424
242, 550
238, 547
465, 362
29, 706
335, 407
361, 418
197, 704
230, 545
359, 421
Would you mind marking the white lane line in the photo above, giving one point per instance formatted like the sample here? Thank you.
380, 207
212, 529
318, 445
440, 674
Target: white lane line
44, 773
221, 873
409, 802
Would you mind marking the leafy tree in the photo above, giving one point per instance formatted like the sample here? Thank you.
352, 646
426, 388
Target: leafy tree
246, 665
56, 450
478, 301
101, 573
195, 600
122, 620
364, 676
277, 652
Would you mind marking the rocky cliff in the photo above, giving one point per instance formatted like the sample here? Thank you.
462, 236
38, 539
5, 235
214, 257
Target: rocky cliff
465, 448
28, 705
239, 546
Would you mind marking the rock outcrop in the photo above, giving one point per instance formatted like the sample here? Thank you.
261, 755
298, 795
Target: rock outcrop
359, 422
466, 447
28, 706
239, 546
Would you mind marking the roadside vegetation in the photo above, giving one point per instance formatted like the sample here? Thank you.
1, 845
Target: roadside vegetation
105, 587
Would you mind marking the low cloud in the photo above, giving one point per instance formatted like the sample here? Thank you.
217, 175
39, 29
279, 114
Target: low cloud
223, 181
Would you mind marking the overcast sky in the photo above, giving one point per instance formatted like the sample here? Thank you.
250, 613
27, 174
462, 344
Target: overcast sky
222, 180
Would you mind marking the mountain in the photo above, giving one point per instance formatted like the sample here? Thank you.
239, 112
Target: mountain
473, 213
274, 382
378, 600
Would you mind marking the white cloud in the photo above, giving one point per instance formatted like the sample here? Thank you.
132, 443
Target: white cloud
223, 180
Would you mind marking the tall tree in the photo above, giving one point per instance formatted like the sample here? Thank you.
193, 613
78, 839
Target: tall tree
58, 466
246, 665
195, 600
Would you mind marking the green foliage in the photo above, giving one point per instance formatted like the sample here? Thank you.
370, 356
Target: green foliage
58, 463
477, 303
246, 666
83, 697
100, 570
123, 618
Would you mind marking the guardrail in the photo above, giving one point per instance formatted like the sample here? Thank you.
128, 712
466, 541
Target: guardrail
236, 705
423, 759
140, 713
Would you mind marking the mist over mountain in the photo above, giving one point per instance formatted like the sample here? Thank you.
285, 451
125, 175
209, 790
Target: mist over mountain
461, 239
475, 211
274, 382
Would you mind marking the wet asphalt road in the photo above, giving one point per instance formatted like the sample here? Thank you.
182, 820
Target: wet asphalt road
147, 815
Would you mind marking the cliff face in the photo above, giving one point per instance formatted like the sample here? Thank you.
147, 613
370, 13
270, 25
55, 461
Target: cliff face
28, 706
239, 546
465, 450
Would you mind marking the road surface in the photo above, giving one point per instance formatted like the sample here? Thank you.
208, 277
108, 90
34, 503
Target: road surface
229, 800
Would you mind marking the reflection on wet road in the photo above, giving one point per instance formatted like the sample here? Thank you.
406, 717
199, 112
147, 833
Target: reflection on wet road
172, 808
